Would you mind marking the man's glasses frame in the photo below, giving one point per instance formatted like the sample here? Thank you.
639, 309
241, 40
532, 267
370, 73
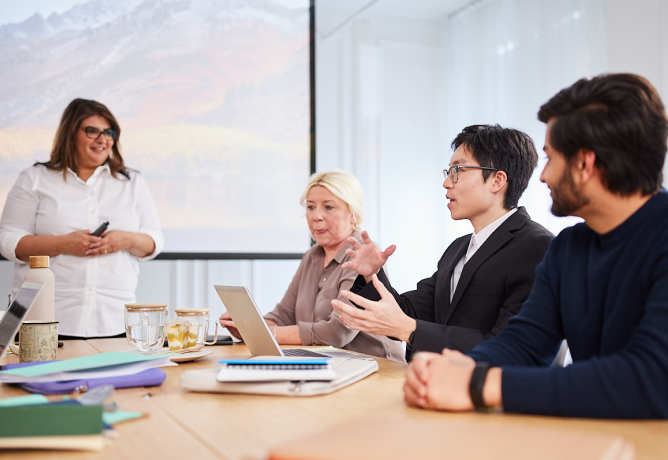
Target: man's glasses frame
94, 133
453, 171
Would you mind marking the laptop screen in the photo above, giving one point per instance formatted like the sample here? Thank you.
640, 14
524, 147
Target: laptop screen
17, 311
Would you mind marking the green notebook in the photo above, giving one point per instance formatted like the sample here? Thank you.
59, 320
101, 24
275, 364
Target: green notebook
50, 420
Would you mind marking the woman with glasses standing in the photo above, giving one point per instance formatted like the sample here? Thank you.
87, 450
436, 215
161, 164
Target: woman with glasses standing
54, 207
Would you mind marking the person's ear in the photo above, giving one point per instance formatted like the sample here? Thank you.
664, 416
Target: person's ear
585, 164
499, 180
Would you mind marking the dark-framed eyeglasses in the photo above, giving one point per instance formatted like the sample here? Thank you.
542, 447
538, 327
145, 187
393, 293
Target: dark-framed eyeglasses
453, 172
94, 133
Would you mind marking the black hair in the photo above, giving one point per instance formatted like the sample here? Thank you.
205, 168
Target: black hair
620, 117
509, 150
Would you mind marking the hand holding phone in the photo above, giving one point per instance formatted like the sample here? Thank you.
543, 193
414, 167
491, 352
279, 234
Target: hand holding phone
101, 229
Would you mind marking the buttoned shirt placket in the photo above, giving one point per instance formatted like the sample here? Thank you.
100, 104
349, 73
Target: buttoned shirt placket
91, 262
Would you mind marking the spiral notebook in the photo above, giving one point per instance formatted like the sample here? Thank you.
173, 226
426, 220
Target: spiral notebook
276, 368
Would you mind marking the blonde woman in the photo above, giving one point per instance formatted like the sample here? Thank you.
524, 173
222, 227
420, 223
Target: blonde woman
334, 211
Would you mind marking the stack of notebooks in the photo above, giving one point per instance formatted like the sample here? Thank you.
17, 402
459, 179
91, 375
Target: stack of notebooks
66, 425
87, 367
281, 375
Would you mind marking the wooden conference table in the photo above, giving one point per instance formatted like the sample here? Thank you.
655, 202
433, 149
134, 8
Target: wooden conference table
183, 425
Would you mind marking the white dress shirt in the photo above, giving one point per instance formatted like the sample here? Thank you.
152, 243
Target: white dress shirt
90, 291
477, 240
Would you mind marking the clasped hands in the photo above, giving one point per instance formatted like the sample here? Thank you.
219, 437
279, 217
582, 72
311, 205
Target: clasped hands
442, 382
81, 243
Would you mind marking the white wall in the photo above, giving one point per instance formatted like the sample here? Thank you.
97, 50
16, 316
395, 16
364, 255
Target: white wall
377, 116
637, 39
387, 111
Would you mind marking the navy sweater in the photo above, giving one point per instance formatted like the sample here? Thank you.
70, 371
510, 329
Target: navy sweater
608, 296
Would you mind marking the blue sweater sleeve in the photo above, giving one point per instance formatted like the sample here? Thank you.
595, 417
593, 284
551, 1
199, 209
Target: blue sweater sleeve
533, 334
628, 383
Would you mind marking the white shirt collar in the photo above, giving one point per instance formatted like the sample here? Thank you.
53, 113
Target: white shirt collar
485, 233
99, 170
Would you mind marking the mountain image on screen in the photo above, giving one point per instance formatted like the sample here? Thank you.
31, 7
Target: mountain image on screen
212, 98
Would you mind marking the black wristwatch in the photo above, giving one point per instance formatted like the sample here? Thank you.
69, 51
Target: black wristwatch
412, 336
476, 386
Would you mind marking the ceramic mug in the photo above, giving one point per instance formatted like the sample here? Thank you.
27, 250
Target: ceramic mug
38, 341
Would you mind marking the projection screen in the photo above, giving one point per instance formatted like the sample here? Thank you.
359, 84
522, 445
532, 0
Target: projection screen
212, 98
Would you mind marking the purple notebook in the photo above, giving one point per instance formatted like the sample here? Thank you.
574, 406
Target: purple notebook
147, 378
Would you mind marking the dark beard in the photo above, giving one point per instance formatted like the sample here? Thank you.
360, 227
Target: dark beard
566, 198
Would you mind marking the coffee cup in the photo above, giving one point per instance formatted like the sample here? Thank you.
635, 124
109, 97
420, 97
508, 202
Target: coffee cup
38, 341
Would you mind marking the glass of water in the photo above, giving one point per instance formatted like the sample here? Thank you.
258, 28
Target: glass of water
145, 326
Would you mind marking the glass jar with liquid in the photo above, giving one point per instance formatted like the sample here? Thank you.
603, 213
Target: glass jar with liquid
145, 326
198, 318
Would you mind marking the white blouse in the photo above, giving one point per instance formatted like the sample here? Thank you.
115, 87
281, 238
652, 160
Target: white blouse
90, 291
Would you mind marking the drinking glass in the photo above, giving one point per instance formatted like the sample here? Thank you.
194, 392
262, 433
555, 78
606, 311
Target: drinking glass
145, 326
177, 334
199, 322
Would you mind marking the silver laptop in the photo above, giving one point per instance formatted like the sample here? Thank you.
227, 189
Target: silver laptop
17, 311
255, 331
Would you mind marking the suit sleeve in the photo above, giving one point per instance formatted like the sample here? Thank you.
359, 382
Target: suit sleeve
520, 279
521, 275
418, 304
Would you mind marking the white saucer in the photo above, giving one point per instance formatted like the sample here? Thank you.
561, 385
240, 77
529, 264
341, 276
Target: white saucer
184, 357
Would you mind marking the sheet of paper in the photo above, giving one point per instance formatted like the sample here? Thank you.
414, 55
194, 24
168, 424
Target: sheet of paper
108, 366
84, 362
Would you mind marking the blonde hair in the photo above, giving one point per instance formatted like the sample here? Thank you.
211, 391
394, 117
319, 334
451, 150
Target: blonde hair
344, 186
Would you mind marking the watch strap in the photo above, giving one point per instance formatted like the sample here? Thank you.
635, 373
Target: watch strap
411, 337
475, 387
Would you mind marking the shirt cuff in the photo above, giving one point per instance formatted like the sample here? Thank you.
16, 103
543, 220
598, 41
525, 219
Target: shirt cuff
305, 333
358, 285
271, 317
159, 241
8, 245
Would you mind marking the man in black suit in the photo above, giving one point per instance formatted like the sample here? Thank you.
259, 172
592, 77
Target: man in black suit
483, 278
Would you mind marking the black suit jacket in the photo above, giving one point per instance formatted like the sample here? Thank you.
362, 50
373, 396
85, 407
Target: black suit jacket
493, 285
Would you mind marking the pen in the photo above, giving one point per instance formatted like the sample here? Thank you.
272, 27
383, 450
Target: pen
101, 229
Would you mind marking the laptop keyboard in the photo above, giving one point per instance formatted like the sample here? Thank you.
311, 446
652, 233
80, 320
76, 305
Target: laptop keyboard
303, 353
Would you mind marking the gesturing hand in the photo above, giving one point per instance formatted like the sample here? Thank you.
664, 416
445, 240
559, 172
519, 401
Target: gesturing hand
384, 317
225, 320
366, 257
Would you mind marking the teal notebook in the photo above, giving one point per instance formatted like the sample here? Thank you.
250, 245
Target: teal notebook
93, 366
50, 420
